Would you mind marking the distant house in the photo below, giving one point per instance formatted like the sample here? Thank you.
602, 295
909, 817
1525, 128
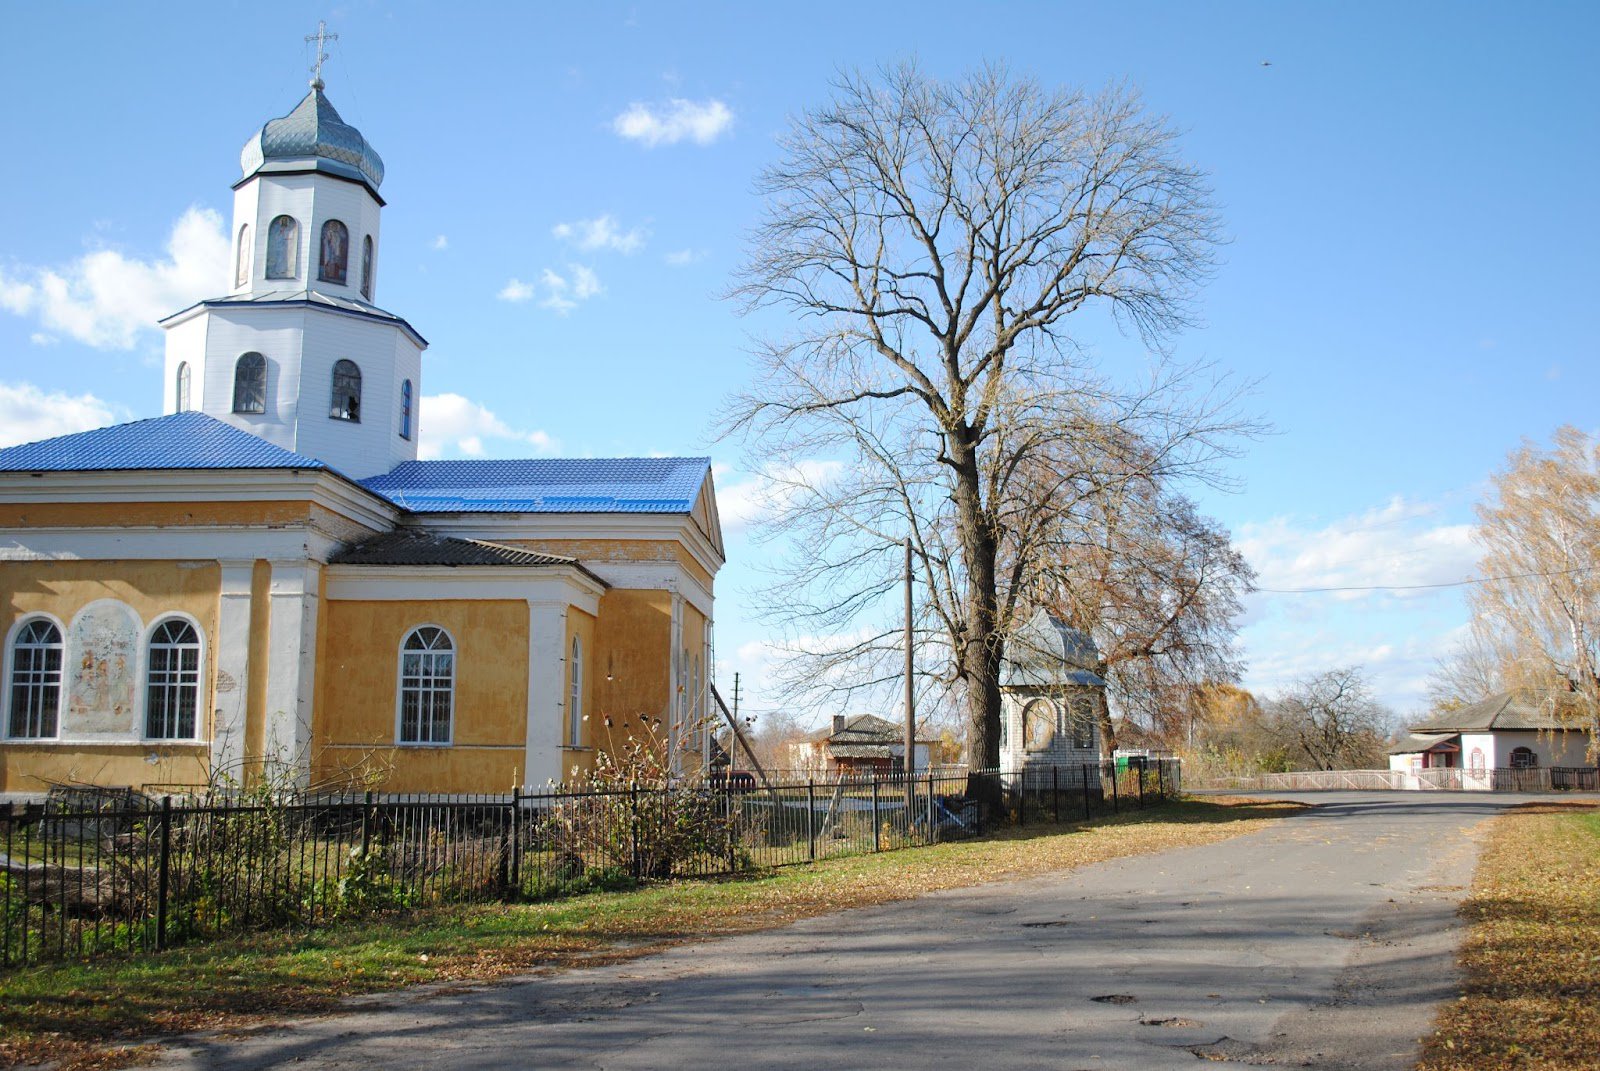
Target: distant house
859, 746
1517, 730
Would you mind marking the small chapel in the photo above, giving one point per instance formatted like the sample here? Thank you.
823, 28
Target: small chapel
266, 581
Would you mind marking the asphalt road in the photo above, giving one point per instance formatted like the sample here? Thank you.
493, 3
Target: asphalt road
1325, 941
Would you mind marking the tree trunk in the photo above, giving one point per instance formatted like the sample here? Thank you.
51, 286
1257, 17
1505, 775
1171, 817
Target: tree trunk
981, 649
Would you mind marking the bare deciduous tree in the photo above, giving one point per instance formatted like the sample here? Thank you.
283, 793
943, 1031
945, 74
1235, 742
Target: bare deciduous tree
1540, 529
930, 241
1159, 585
1332, 720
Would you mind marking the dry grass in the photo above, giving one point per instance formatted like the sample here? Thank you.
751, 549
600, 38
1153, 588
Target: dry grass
99, 1015
1532, 956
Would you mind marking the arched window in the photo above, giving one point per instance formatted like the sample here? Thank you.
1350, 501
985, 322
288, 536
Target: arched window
333, 265
366, 267
405, 409
1005, 731
1038, 724
575, 696
283, 248
241, 271
250, 384
1082, 724
181, 399
172, 681
427, 686
1523, 758
35, 685
346, 403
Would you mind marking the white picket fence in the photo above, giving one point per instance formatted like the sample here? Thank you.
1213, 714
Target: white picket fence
1539, 779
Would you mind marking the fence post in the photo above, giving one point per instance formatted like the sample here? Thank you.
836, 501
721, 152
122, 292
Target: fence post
1116, 804
366, 824
1161, 778
164, 880
933, 826
1140, 775
514, 844
811, 819
1055, 794
877, 823
1085, 773
633, 827
1022, 796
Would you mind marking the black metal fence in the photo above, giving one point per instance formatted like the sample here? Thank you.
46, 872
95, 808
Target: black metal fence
85, 877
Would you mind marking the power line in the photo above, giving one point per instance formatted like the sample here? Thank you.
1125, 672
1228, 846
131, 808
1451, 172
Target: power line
1423, 587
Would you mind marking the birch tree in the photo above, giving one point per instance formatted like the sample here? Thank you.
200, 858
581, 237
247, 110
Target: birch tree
1540, 530
928, 245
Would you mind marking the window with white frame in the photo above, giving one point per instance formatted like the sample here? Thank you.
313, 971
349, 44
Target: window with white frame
427, 686
35, 685
575, 695
181, 388
250, 384
241, 272
405, 409
172, 681
345, 403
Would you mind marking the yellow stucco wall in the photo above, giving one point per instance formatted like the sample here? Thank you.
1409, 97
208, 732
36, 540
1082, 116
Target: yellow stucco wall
633, 647
26, 767
357, 683
151, 590
149, 514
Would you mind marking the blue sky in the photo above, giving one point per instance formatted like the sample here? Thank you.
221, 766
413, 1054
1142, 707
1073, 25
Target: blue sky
1409, 192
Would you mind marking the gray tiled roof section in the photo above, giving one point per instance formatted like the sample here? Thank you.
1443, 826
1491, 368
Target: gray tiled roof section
314, 129
410, 547
1047, 651
187, 440
1508, 710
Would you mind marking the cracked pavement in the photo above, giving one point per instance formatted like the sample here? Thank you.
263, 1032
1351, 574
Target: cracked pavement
1326, 940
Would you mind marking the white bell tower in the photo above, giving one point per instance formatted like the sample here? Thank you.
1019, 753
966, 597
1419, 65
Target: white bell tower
296, 351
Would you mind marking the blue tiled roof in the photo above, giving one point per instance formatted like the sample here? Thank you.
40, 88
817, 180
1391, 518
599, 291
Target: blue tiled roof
545, 485
188, 440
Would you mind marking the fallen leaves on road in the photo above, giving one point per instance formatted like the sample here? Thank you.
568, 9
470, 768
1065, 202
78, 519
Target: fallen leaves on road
1531, 960
93, 1016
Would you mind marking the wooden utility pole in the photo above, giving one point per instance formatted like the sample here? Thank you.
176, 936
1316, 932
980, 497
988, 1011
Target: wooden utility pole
911, 703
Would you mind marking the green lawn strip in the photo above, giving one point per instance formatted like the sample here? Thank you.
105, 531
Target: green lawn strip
72, 1011
1531, 959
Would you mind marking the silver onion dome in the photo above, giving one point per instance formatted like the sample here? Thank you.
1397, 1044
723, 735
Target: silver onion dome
313, 131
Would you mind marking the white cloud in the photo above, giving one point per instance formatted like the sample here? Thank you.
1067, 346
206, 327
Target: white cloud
453, 424
684, 257
441, 242
1399, 544
39, 338
602, 232
755, 498
515, 290
105, 299
28, 414
701, 122
562, 293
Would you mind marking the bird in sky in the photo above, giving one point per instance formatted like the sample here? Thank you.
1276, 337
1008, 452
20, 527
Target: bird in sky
1266, 63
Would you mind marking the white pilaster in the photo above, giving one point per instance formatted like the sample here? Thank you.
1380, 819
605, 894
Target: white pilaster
547, 633
291, 665
231, 663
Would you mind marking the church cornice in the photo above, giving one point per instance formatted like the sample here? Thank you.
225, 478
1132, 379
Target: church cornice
312, 300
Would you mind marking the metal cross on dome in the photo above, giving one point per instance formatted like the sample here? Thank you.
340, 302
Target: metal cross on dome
321, 37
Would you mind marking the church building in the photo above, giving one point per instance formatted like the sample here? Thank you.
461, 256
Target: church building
267, 580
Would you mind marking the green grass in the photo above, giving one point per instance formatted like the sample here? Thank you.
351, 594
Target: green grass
72, 1012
